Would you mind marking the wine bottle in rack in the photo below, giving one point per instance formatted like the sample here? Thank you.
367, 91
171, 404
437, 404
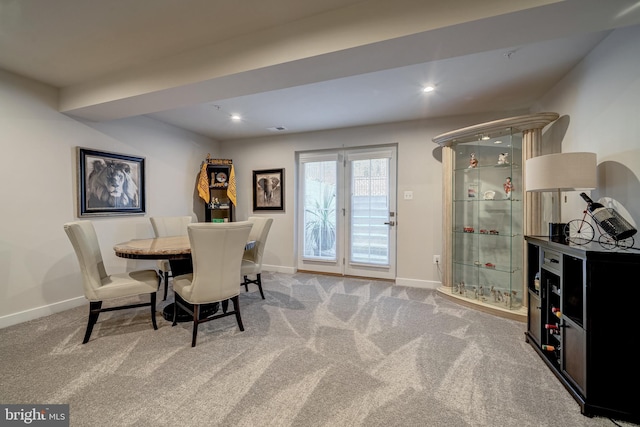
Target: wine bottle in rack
547, 347
609, 219
593, 207
553, 329
556, 311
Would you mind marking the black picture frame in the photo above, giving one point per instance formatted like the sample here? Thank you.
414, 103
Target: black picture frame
110, 183
268, 190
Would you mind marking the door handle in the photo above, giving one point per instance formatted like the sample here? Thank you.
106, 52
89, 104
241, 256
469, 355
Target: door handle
390, 223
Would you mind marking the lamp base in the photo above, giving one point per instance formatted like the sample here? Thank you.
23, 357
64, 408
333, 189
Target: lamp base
556, 232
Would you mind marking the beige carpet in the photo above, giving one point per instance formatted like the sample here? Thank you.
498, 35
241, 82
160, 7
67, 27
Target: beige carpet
319, 351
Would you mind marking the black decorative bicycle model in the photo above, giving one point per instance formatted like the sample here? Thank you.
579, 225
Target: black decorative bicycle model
615, 231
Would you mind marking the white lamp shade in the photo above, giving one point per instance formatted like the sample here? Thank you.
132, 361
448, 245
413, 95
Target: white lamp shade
561, 172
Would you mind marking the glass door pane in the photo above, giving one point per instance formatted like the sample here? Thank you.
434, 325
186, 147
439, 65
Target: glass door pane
370, 211
320, 210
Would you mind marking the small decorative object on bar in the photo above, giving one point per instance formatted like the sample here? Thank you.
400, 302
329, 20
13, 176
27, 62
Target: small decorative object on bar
615, 231
473, 162
110, 183
268, 190
503, 158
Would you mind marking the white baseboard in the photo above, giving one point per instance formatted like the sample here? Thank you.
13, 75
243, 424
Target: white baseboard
45, 310
415, 283
279, 269
411, 283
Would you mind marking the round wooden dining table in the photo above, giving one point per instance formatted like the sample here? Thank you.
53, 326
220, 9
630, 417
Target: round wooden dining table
177, 250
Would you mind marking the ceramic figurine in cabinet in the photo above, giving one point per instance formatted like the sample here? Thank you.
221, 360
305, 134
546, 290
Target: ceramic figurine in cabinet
503, 159
473, 162
497, 295
508, 187
481, 293
489, 195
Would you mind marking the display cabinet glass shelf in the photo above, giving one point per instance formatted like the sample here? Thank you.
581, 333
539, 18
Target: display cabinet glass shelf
484, 207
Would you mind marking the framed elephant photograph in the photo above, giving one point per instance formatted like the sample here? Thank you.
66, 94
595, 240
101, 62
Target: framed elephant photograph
110, 183
268, 190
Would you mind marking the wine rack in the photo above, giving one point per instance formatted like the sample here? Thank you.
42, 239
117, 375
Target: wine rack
573, 292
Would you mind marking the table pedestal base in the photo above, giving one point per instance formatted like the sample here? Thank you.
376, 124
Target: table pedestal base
179, 267
206, 310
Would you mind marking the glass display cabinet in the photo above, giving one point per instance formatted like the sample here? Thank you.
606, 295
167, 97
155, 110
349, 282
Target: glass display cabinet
484, 205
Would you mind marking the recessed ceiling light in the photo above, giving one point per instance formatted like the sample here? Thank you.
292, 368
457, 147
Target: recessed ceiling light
497, 142
485, 137
236, 117
428, 89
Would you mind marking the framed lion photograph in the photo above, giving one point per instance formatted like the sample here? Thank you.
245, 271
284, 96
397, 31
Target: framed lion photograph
110, 184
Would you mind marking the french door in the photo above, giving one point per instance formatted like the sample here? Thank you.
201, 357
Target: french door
346, 212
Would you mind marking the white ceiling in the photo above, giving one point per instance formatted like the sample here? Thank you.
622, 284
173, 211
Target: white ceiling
302, 64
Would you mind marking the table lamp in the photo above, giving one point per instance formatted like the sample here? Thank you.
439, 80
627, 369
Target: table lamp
560, 172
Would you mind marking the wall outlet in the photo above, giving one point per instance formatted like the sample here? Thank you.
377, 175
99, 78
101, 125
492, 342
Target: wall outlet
408, 195
436, 259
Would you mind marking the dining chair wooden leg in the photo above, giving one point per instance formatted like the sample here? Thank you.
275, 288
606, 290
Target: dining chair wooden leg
236, 308
258, 282
225, 305
196, 314
153, 311
94, 312
166, 285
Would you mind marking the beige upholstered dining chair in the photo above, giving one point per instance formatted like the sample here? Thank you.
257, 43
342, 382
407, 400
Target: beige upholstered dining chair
165, 226
100, 286
252, 258
216, 251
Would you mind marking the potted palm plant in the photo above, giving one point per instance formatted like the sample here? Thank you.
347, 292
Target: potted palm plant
320, 226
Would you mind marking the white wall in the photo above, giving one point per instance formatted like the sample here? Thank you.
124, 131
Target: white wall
599, 104
419, 170
39, 273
